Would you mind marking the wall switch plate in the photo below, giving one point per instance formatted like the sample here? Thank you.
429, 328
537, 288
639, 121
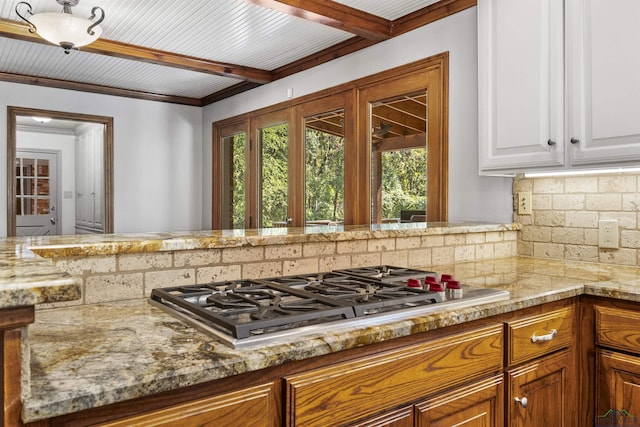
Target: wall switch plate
608, 234
524, 203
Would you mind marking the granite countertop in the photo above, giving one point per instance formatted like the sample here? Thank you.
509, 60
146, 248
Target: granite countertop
108, 244
27, 277
88, 356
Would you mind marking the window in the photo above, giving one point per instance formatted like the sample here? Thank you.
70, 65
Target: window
324, 168
399, 158
234, 191
373, 150
273, 182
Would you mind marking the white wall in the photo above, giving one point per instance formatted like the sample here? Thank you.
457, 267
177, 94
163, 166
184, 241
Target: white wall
157, 155
163, 151
471, 197
65, 143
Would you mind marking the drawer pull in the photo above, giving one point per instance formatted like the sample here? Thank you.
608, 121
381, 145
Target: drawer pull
547, 337
523, 402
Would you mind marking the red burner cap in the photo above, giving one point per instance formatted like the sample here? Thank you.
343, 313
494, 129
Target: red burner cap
435, 287
414, 283
453, 284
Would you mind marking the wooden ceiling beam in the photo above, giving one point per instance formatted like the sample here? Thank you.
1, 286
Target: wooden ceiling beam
412, 21
429, 14
249, 78
92, 88
335, 15
16, 30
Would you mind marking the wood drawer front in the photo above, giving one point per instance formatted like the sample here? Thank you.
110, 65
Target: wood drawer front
253, 406
618, 328
524, 335
350, 391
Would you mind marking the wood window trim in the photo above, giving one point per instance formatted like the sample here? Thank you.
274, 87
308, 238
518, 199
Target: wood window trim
435, 71
257, 123
333, 102
12, 116
219, 133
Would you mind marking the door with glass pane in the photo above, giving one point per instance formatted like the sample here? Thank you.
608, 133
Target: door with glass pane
231, 177
234, 157
324, 144
272, 159
36, 193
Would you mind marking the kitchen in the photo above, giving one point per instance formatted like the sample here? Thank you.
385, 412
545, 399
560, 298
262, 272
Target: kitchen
471, 197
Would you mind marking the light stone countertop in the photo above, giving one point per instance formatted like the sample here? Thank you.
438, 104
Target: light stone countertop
109, 244
88, 356
28, 277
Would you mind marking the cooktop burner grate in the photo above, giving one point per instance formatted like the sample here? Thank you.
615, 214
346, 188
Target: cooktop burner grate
253, 307
245, 311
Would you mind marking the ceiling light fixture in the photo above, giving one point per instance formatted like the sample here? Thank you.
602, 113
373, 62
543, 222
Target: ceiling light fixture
64, 29
41, 119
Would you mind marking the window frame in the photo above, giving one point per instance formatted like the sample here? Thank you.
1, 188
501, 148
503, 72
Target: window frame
432, 73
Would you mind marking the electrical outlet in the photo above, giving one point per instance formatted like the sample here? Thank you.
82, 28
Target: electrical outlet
524, 203
608, 234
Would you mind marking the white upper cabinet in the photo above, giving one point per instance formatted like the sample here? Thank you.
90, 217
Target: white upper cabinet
556, 85
603, 60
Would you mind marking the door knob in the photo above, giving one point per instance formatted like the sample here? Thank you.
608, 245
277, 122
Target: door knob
53, 220
523, 402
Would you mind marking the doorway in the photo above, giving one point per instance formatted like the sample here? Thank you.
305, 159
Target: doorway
15, 206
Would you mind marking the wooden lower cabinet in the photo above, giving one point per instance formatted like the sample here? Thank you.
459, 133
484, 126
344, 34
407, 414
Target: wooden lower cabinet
252, 406
540, 393
617, 389
477, 405
344, 393
458, 376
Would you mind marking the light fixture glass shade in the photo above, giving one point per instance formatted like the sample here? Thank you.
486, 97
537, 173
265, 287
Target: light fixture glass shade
59, 28
41, 119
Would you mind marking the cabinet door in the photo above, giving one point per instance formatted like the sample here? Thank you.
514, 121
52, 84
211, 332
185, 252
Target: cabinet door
520, 84
539, 393
604, 89
477, 405
254, 406
618, 389
399, 418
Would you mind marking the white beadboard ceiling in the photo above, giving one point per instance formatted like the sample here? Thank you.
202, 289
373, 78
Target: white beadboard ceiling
388, 9
249, 41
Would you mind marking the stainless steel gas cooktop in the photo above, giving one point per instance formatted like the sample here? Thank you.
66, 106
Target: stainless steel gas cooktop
250, 312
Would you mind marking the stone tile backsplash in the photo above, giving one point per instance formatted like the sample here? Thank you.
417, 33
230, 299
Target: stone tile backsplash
566, 212
130, 276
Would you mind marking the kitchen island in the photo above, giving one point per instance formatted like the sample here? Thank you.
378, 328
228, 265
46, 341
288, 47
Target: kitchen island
86, 356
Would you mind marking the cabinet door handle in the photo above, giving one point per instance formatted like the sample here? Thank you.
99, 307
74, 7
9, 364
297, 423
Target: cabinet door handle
575, 140
551, 142
547, 337
523, 402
